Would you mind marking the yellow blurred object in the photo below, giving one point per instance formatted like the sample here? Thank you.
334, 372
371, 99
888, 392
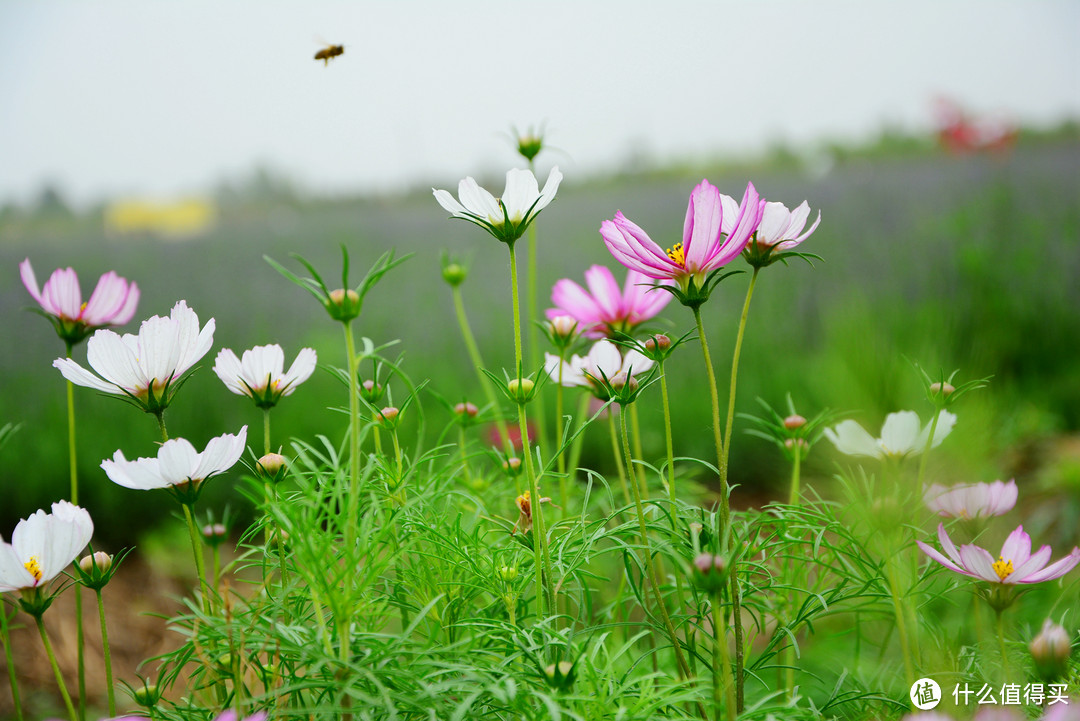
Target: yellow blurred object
179, 219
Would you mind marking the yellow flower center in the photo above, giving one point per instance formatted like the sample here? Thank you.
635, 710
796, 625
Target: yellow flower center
34, 567
677, 255
1003, 568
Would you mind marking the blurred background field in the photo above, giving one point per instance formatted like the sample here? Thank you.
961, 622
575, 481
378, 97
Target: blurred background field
952, 261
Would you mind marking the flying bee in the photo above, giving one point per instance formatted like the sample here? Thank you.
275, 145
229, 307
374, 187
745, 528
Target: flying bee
330, 51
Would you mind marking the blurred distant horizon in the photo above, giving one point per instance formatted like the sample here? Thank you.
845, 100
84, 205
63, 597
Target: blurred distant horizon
126, 99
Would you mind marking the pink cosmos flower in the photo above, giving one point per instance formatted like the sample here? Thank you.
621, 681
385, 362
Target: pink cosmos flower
1014, 565
143, 367
43, 545
971, 500
260, 376
705, 246
604, 308
113, 301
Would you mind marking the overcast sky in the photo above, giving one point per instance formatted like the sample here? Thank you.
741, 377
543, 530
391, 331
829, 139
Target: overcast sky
157, 99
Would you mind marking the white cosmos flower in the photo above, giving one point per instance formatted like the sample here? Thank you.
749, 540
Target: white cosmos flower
43, 545
143, 367
603, 361
901, 435
178, 466
259, 375
507, 217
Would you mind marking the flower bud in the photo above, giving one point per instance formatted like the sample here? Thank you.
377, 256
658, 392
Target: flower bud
388, 417
621, 381
371, 391
272, 466
710, 572
943, 389
215, 534
562, 328
794, 422
100, 561
465, 412
793, 443
520, 389
454, 274
529, 145
512, 466
1050, 650
147, 696
560, 676
507, 573
343, 305
658, 342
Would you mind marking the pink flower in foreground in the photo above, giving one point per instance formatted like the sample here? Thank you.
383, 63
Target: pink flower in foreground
1014, 565
143, 367
604, 308
705, 246
178, 467
259, 374
113, 301
971, 500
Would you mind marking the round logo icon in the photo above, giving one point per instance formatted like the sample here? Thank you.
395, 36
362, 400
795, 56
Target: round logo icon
925, 694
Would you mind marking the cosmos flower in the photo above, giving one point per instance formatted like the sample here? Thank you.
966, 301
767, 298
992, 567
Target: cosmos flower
43, 545
113, 301
605, 308
971, 500
705, 246
1014, 565
901, 435
507, 217
259, 374
604, 361
178, 466
143, 367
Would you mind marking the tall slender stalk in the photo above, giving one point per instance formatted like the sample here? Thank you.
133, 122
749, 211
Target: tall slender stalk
617, 454
108, 655
926, 450
478, 364
723, 698
196, 547
266, 431
736, 603
650, 566
564, 484
1005, 674
670, 447
534, 332
5, 639
354, 438
55, 667
73, 469
540, 549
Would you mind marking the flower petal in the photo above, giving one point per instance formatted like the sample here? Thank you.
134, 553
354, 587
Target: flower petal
605, 292
1054, 570
980, 563
29, 280
852, 439
701, 229
936, 555
1017, 547
300, 370
479, 202
228, 369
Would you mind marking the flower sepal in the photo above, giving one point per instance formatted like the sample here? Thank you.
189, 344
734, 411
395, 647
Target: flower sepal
520, 390
1000, 596
791, 433
693, 294
763, 255
942, 392
36, 601
97, 569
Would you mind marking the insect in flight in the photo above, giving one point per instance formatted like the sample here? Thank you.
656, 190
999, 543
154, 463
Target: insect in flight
330, 51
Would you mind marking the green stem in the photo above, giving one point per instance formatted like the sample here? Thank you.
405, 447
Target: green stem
670, 447
638, 472
723, 696
540, 548
1001, 645
464, 456
55, 667
618, 454
564, 484
736, 611
354, 439
478, 363
714, 397
196, 547
926, 451
534, 333
684, 670
108, 655
266, 431
73, 468
579, 440
5, 639
160, 416
901, 623
793, 498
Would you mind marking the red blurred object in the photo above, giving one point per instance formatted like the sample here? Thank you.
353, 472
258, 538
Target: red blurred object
495, 436
960, 133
